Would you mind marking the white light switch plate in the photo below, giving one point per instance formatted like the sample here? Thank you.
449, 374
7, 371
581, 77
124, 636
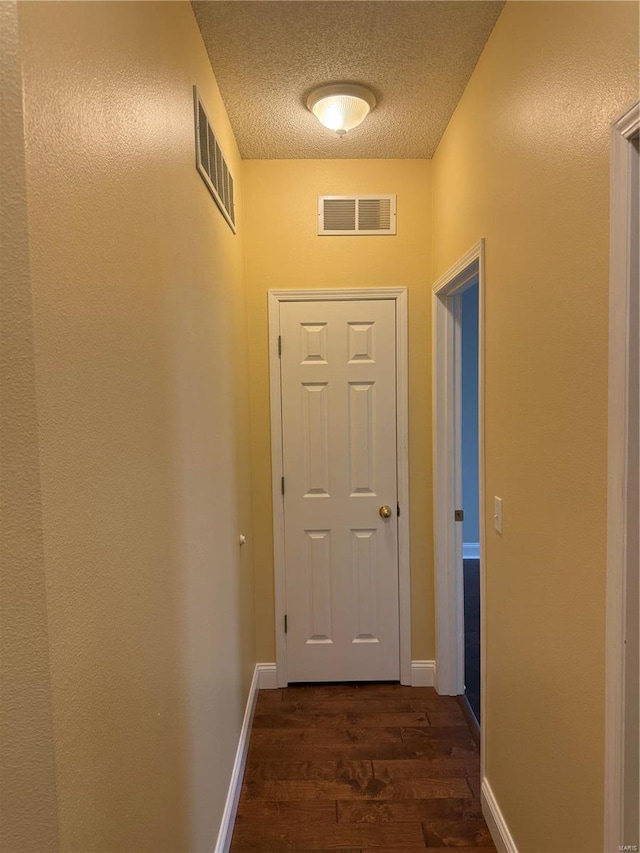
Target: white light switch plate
497, 514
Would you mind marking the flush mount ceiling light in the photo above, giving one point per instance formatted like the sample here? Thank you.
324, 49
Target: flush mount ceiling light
341, 106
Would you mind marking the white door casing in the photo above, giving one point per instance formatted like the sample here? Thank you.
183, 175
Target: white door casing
447, 366
341, 570
621, 810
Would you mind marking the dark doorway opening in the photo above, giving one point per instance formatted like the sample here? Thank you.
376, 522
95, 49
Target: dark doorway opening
470, 497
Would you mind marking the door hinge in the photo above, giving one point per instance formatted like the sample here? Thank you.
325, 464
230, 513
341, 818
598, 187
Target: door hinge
398, 509
459, 515
279, 344
285, 623
282, 485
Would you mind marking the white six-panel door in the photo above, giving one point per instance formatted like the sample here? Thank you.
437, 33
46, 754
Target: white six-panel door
338, 392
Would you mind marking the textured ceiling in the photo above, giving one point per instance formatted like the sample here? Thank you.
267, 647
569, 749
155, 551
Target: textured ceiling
416, 57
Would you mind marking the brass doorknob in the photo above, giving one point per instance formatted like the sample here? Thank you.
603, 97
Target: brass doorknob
385, 511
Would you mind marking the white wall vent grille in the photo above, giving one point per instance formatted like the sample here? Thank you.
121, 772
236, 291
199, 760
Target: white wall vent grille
356, 214
211, 164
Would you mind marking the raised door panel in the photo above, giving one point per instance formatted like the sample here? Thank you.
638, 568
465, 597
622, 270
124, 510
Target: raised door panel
318, 583
365, 586
315, 438
361, 447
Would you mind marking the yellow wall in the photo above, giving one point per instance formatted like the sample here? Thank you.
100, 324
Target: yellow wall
140, 385
525, 164
282, 250
28, 808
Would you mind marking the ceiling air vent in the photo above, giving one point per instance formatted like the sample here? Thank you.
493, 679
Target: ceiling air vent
211, 164
356, 214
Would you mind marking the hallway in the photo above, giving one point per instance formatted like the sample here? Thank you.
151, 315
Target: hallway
358, 769
142, 489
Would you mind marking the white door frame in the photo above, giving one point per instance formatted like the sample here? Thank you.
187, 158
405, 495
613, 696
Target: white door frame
447, 480
399, 295
623, 129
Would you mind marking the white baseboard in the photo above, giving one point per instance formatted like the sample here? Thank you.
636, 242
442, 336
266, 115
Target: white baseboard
231, 806
267, 676
423, 673
470, 550
498, 828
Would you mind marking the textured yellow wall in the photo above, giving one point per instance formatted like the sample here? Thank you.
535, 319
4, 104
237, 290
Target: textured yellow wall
282, 250
28, 808
141, 390
525, 164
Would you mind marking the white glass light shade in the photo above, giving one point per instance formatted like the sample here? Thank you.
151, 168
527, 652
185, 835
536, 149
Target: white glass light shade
341, 107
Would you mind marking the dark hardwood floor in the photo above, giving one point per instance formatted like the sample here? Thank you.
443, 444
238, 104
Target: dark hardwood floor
370, 768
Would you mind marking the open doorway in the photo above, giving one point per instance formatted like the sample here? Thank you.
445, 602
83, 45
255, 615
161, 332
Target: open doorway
469, 440
458, 383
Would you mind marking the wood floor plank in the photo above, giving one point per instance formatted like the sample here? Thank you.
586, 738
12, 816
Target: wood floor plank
285, 812
452, 716
440, 747
271, 839
423, 768
470, 832
327, 770
306, 718
361, 751
336, 736
400, 811
408, 850
352, 706
375, 789
454, 733
395, 694
269, 697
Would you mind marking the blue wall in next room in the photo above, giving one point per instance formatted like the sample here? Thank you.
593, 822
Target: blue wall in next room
471, 530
